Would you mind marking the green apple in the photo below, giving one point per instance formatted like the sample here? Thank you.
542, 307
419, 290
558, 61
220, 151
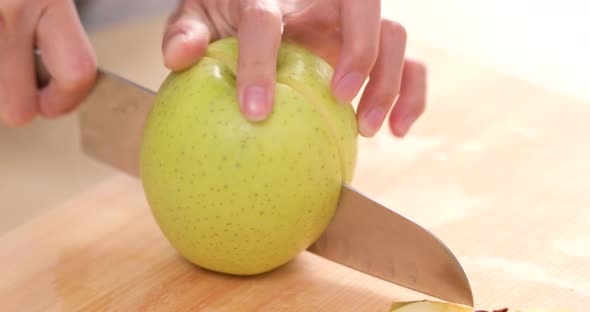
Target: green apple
243, 197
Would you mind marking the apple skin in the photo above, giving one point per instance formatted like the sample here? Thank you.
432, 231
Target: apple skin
240, 197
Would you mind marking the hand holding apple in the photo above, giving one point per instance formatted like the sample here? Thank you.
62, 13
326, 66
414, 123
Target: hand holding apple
349, 34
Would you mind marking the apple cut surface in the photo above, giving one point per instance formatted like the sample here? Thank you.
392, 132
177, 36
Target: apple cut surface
429, 306
542, 310
239, 197
438, 306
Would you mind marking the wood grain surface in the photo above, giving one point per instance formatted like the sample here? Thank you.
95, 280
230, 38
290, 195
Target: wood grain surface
497, 168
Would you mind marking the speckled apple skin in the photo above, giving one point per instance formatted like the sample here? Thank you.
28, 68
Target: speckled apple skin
239, 197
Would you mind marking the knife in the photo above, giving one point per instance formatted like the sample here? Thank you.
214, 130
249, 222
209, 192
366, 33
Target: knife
363, 235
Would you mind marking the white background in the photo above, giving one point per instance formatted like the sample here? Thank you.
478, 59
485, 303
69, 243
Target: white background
545, 42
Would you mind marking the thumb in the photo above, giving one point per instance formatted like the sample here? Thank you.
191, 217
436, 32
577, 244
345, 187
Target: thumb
186, 37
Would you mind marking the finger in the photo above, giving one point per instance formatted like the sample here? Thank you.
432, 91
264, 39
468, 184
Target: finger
68, 57
384, 84
412, 98
18, 93
360, 40
187, 37
259, 38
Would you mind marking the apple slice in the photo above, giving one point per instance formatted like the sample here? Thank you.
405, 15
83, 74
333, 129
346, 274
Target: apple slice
429, 306
435, 306
538, 310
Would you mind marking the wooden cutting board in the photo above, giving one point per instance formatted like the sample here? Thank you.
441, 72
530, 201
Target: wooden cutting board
497, 168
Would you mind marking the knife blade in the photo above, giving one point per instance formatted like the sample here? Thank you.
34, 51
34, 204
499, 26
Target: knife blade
363, 235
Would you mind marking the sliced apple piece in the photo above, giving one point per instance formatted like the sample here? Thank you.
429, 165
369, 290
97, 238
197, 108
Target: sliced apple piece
429, 306
540, 310
436, 306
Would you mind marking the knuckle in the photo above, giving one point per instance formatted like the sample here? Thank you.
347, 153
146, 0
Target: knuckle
13, 122
10, 12
255, 74
363, 54
204, 3
8, 121
385, 97
80, 75
420, 107
182, 8
251, 64
174, 16
50, 3
2, 23
416, 70
260, 10
418, 104
394, 29
16, 117
419, 68
256, 65
12, 8
18, 106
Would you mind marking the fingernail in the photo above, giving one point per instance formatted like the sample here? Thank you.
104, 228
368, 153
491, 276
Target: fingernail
178, 49
348, 86
176, 40
371, 121
254, 103
173, 50
404, 124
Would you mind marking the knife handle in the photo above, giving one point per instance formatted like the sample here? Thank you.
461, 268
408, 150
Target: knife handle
41, 73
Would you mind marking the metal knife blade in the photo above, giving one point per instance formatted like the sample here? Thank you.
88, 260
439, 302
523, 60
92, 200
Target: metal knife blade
363, 235
373, 239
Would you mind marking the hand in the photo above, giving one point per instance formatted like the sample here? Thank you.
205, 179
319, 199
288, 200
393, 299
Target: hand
54, 28
349, 34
